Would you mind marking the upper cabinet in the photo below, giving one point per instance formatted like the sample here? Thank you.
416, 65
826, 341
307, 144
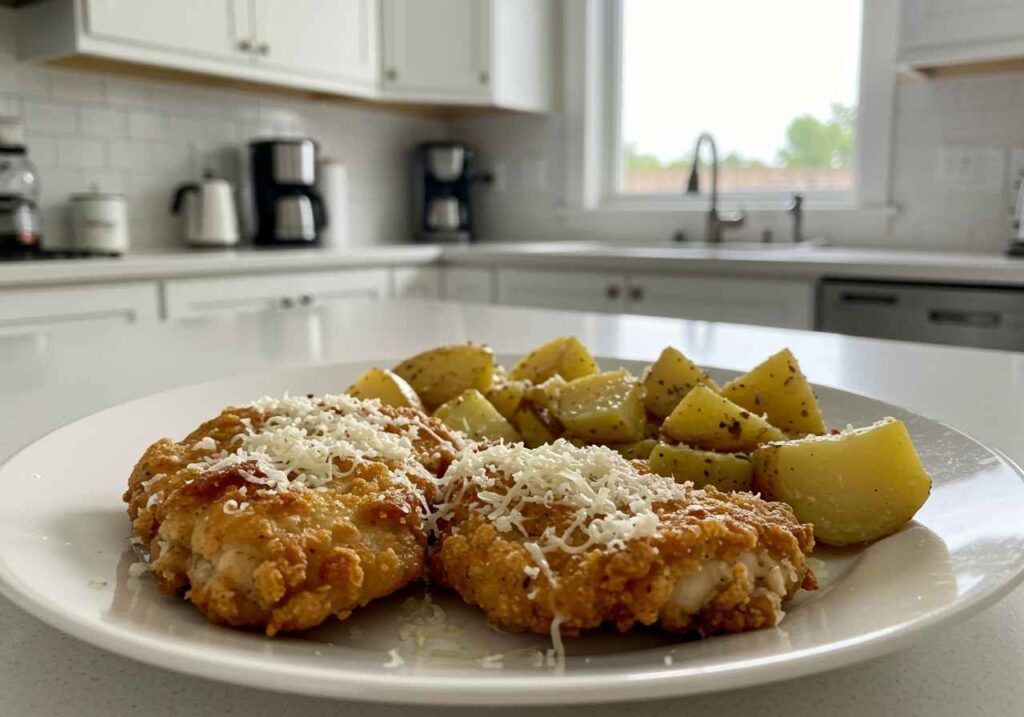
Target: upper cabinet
478, 52
955, 36
493, 53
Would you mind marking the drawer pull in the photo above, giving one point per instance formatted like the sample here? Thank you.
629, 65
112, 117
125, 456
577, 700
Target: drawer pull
636, 293
974, 319
612, 291
287, 302
874, 299
306, 300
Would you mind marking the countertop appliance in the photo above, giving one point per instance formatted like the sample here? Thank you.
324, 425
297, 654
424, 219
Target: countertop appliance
1017, 243
984, 317
99, 222
443, 175
208, 212
289, 208
19, 192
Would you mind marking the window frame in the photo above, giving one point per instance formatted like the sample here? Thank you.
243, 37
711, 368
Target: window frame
593, 104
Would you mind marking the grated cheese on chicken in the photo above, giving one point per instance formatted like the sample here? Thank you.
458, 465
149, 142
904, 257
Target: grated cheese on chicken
612, 503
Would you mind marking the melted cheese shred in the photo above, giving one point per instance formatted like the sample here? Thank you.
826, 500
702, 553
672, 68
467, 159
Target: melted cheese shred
303, 442
610, 502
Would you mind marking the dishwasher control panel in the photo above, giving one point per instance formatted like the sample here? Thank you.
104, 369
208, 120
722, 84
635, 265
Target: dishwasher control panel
980, 316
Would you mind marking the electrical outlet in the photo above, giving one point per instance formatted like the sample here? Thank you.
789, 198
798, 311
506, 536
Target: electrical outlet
971, 167
1015, 177
534, 174
499, 175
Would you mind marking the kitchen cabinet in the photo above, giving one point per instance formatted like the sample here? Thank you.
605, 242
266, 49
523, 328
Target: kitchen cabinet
940, 35
486, 52
468, 284
319, 45
573, 290
416, 282
765, 302
46, 308
271, 292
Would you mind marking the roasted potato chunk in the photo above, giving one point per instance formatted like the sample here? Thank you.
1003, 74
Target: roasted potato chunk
704, 419
635, 451
537, 425
389, 387
669, 379
565, 357
474, 415
778, 389
603, 408
441, 374
724, 471
506, 396
856, 486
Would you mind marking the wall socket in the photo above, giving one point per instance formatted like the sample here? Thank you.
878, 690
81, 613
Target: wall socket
971, 167
1016, 176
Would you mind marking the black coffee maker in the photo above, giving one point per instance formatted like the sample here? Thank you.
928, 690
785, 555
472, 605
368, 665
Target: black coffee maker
443, 174
289, 209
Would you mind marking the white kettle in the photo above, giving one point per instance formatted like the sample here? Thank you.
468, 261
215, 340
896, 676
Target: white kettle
209, 217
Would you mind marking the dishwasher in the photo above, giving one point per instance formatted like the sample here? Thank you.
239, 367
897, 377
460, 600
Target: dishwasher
982, 316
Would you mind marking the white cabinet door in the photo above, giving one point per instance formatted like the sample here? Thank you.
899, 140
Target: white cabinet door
765, 302
417, 282
271, 292
212, 28
437, 48
470, 285
45, 308
574, 290
932, 23
332, 38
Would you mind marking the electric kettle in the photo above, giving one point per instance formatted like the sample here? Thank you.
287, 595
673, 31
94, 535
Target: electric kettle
207, 208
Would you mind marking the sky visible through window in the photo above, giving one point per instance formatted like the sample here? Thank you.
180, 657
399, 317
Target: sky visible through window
775, 82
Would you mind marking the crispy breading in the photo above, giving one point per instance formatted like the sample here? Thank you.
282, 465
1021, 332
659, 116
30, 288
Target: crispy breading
254, 557
707, 569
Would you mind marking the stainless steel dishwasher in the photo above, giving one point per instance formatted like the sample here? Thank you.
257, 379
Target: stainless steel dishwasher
986, 317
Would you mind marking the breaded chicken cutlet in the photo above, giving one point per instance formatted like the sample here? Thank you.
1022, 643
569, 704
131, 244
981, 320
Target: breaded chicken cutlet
282, 513
562, 538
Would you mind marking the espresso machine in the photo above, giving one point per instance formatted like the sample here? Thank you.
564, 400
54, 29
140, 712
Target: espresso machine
443, 175
289, 209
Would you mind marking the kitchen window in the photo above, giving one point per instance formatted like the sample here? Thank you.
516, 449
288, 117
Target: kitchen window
775, 83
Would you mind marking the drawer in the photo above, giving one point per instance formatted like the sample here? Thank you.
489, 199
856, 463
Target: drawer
45, 308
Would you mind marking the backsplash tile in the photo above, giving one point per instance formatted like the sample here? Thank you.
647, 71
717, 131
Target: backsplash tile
144, 138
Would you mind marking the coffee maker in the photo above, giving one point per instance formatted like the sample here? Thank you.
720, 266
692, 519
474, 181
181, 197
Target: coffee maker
443, 174
289, 209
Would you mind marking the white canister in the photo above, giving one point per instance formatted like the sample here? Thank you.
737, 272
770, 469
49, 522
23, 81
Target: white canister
333, 185
99, 222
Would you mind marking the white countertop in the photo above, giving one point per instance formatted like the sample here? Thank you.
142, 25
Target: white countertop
49, 379
778, 261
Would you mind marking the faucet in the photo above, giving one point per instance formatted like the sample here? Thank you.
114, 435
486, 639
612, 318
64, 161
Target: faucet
715, 223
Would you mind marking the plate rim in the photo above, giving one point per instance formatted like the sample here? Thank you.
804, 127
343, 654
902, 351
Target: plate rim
340, 682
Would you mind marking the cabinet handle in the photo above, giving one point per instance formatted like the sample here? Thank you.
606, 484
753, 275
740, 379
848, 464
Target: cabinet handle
287, 302
263, 48
391, 74
305, 300
612, 291
485, 77
973, 319
636, 293
244, 45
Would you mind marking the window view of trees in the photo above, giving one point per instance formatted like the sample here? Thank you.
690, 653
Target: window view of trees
815, 154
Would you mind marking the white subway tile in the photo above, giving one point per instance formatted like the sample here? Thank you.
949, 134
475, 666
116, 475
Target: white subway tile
128, 155
76, 87
81, 153
50, 117
103, 122
10, 106
42, 150
129, 93
145, 125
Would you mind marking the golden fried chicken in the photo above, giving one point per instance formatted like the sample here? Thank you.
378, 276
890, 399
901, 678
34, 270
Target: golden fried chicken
285, 512
562, 538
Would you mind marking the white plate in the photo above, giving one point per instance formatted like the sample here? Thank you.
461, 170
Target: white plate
64, 557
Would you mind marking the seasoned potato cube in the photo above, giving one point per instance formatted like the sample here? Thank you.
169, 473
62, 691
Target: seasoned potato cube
635, 451
546, 394
565, 357
725, 471
778, 389
536, 425
603, 408
474, 415
506, 396
389, 387
669, 379
704, 419
856, 486
441, 374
